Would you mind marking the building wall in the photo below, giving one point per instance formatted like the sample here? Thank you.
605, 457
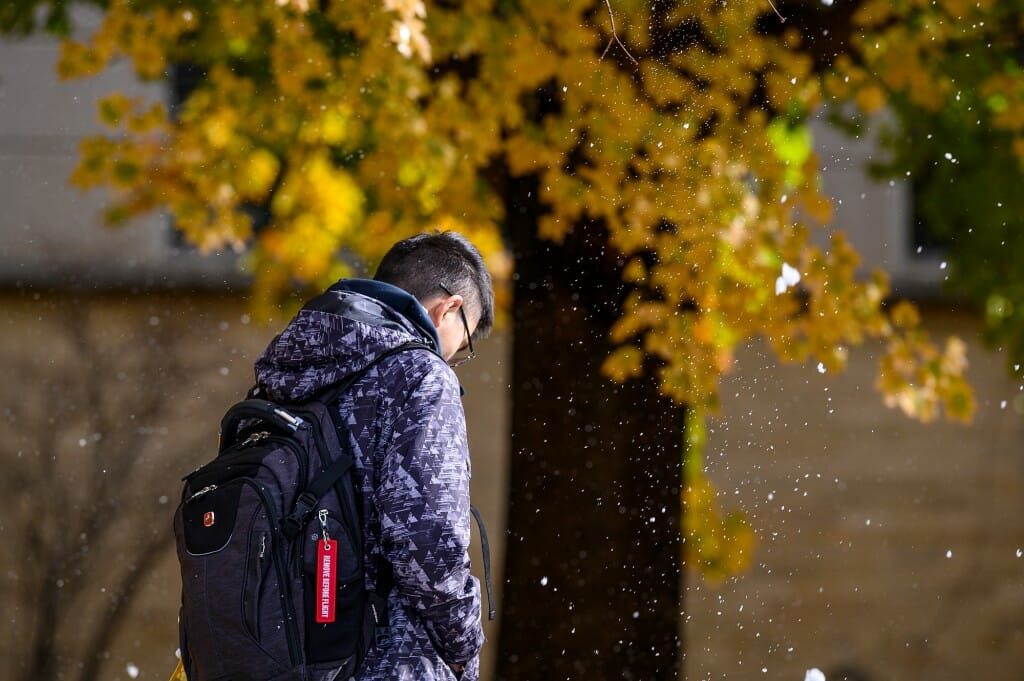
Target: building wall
49, 231
885, 545
877, 216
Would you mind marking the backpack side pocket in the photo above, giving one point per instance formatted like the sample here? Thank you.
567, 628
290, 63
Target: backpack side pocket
257, 567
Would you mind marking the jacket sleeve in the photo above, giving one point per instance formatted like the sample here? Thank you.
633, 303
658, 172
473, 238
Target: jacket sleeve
423, 501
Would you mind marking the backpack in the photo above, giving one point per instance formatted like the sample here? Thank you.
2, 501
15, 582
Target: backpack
270, 546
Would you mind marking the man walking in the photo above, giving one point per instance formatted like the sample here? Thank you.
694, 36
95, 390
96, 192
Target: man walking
406, 417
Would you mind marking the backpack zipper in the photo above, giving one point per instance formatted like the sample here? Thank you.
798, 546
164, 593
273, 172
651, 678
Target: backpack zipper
239, 449
205, 490
291, 624
255, 437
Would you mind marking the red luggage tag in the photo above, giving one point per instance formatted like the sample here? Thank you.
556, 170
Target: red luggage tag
326, 572
326, 578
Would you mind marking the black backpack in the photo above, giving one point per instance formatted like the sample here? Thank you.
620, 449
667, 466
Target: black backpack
271, 553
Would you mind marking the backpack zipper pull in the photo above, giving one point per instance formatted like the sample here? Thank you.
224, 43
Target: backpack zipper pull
205, 490
291, 420
322, 515
255, 437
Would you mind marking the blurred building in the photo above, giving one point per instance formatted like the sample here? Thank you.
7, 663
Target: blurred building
887, 549
51, 233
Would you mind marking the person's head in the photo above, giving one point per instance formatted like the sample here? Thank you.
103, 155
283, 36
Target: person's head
445, 272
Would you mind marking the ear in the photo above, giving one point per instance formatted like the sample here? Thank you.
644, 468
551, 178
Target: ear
443, 306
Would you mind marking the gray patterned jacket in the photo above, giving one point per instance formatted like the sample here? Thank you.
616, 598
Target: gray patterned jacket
412, 463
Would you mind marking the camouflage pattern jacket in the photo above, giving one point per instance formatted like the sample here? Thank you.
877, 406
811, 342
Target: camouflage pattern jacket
412, 463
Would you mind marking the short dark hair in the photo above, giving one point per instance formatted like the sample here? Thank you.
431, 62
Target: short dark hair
421, 263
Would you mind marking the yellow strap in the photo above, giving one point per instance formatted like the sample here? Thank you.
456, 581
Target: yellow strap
179, 673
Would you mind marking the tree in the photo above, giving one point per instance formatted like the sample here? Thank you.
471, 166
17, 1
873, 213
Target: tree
593, 562
646, 163
952, 74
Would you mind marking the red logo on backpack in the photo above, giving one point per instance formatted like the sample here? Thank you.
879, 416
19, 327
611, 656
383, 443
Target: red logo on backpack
208, 519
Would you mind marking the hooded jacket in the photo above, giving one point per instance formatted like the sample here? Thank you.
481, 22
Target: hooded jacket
412, 466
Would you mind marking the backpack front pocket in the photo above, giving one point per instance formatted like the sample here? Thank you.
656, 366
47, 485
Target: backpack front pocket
258, 566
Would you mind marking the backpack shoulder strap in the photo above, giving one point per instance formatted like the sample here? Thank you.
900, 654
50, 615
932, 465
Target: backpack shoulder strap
308, 500
341, 460
485, 547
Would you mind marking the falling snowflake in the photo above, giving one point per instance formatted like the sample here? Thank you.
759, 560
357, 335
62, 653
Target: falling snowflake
790, 277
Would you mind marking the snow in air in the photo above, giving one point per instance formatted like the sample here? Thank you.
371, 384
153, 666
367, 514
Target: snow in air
790, 277
132, 670
814, 674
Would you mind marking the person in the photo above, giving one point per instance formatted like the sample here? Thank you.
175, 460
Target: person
406, 417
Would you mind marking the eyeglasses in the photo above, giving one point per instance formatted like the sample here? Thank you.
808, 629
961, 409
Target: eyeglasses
464, 353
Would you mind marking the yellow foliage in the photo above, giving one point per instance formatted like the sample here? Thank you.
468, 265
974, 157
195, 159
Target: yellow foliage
261, 169
905, 315
179, 673
870, 98
902, 49
720, 545
1018, 149
358, 123
664, 84
624, 363
817, 207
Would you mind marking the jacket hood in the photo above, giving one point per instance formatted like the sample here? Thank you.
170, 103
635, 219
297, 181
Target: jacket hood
339, 333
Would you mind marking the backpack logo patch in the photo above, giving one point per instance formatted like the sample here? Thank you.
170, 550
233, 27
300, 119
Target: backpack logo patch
208, 519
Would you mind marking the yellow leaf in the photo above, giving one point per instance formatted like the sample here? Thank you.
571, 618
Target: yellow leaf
624, 363
905, 315
870, 98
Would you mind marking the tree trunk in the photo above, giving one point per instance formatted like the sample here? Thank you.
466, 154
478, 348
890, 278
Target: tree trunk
592, 570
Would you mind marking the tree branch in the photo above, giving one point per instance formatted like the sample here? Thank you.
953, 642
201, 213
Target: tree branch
776, 9
120, 599
615, 36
